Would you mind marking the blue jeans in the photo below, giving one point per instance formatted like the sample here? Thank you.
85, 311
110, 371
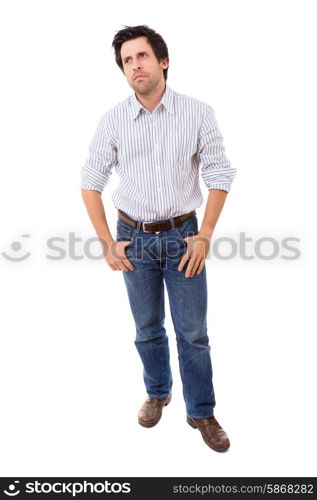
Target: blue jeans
155, 258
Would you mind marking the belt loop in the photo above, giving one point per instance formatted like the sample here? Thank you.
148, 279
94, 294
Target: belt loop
138, 226
171, 219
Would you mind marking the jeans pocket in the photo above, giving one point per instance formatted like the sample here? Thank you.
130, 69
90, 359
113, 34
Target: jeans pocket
179, 234
188, 228
124, 231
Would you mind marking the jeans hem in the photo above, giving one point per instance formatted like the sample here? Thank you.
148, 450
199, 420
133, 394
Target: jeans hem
200, 416
159, 397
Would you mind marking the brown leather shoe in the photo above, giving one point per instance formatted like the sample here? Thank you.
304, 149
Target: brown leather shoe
212, 433
151, 411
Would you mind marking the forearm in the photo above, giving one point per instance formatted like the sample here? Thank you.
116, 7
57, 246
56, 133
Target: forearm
96, 212
215, 203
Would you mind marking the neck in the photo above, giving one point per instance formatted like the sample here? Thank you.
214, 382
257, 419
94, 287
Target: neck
151, 100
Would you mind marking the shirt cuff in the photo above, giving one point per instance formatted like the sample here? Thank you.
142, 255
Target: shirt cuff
86, 185
219, 185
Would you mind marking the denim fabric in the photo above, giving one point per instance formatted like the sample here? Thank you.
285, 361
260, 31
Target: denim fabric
155, 258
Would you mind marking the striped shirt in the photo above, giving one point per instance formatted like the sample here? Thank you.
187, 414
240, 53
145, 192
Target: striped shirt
157, 156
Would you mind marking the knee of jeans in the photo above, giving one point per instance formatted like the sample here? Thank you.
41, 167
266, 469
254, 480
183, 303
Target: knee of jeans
147, 336
195, 336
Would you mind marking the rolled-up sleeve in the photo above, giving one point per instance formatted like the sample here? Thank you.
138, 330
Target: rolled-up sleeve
216, 170
102, 158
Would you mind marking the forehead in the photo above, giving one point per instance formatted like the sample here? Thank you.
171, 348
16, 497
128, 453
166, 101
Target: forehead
132, 47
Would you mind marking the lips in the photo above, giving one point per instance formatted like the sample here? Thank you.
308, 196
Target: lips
139, 76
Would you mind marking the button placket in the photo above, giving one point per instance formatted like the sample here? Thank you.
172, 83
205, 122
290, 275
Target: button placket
155, 141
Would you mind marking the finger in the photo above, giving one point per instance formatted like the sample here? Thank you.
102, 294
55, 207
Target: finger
118, 263
122, 266
120, 249
125, 261
128, 265
190, 267
201, 266
183, 261
181, 264
195, 267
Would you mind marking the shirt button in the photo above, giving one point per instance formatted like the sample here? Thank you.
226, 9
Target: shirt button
157, 167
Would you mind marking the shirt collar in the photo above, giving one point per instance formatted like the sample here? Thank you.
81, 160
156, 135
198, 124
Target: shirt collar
166, 101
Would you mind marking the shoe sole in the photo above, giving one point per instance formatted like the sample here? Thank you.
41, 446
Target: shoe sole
152, 424
194, 426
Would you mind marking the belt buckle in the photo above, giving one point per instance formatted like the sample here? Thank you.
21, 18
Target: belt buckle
143, 229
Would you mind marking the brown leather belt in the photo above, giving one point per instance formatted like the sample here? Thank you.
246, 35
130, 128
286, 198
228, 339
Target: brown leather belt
155, 227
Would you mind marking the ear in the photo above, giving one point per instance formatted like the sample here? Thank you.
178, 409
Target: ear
165, 63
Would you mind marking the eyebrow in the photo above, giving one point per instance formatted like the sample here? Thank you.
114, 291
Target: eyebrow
138, 54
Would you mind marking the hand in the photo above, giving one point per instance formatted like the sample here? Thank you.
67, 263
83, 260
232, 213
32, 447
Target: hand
116, 257
197, 250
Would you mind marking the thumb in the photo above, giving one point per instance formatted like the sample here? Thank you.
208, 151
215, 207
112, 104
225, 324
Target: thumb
126, 243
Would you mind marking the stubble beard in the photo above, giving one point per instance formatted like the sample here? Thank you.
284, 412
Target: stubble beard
144, 89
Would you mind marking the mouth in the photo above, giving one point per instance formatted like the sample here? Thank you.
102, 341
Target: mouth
139, 76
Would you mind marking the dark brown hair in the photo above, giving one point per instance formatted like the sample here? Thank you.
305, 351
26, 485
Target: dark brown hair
157, 43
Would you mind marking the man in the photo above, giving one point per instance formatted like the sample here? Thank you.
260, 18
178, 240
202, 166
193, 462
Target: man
156, 140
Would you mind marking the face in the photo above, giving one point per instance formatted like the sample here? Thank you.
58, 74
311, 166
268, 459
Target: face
138, 58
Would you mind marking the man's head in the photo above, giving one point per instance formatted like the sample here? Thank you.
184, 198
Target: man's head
140, 50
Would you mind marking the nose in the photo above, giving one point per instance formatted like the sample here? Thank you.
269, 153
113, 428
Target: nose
137, 67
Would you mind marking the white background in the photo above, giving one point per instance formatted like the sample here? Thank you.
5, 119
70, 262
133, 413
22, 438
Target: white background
71, 378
